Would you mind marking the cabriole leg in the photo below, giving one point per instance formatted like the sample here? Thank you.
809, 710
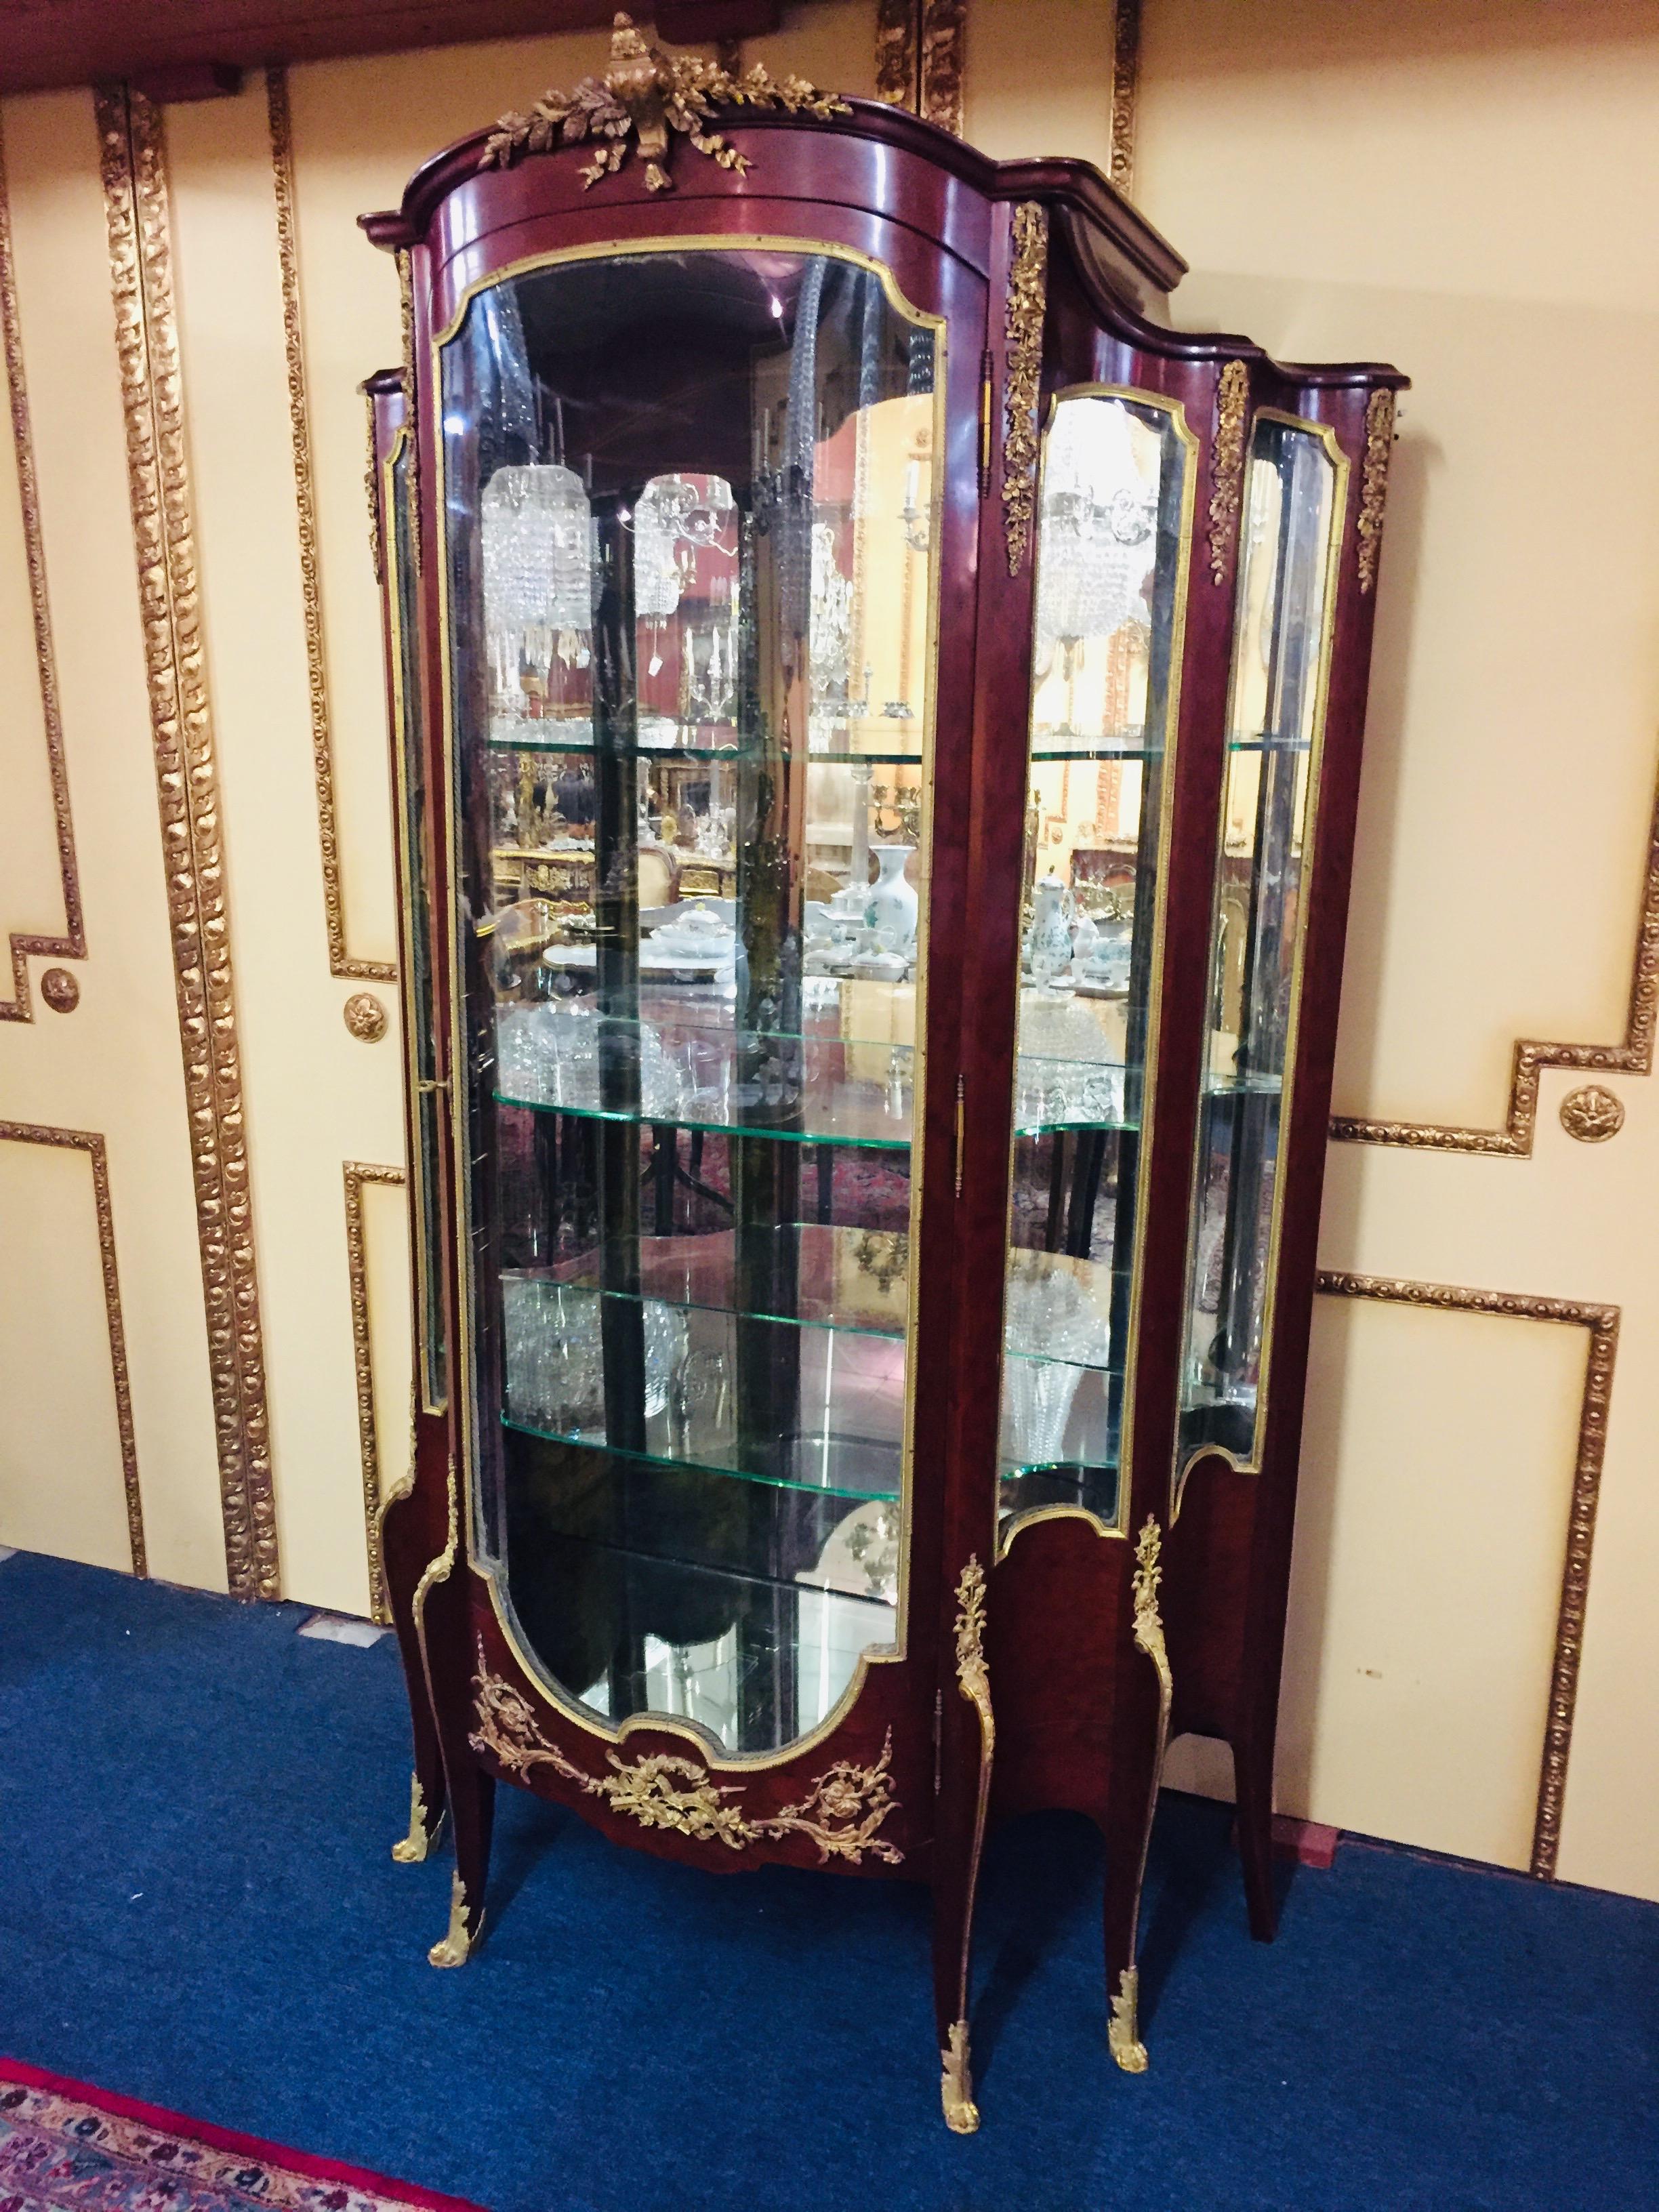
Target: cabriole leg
440, 1612
964, 1807
427, 1798
1134, 1801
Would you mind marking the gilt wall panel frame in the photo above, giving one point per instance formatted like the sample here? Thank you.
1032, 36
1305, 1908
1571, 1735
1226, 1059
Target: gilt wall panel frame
1602, 1323
91, 1142
133, 171
340, 961
72, 944
1633, 1056
358, 1174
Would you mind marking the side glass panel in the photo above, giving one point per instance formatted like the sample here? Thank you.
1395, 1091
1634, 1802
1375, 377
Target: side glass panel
690, 523
1112, 528
419, 1016
1281, 646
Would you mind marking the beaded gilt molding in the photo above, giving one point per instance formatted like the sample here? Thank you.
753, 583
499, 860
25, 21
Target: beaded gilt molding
842, 1813
91, 1142
132, 162
72, 944
920, 51
1126, 78
1602, 1323
357, 1175
305, 499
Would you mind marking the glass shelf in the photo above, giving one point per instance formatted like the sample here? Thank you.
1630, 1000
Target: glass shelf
577, 738
809, 1089
1264, 741
814, 1409
852, 1279
1243, 1086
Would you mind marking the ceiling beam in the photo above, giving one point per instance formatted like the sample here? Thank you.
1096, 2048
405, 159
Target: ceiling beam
196, 45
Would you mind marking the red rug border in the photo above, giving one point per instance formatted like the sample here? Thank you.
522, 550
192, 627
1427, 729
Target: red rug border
21, 2075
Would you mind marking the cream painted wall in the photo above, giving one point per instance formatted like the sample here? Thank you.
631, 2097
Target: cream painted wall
112, 1065
1471, 190
1467, 189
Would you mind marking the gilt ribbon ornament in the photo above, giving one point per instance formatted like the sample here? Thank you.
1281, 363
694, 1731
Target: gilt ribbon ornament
645, 97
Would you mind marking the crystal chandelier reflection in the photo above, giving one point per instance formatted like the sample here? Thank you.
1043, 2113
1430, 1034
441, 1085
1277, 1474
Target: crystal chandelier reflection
1097, 539
536, 536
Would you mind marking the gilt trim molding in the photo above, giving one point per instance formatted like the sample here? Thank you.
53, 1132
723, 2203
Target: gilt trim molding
340, 962
921, 58
133, 166
1634, 1057
1126, 83
91, 1142
1602, 1323
898, 27
357, 1174
72, 945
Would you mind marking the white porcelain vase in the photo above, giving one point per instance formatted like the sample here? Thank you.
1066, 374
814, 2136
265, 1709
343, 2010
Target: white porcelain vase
891, 907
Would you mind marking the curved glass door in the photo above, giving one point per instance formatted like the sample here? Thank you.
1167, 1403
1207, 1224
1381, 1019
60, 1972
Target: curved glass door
1114, 525
1294, 492
691, 530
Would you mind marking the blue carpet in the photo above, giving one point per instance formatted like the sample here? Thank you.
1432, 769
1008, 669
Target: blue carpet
199, 1910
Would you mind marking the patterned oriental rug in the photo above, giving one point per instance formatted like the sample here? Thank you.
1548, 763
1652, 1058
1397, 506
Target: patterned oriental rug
66, 2148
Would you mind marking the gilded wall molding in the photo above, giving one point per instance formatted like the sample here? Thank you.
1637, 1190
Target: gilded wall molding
943, 43
298, 414
372, 488
72, 945
135, 209
921, 55
358, 1173
1603, 1324
1125, 81
898, 43
1515, 1140
91, 1142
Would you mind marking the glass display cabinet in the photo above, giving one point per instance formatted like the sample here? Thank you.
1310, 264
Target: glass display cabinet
877, 718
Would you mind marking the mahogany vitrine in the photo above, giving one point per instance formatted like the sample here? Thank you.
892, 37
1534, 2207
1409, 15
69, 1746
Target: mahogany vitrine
876, 720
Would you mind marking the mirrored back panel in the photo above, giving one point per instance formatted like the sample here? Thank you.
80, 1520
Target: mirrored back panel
691, 540
1293, 501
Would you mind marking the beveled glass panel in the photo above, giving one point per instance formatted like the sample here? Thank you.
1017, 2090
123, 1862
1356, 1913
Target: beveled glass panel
1280, 650
1112, 533
692, 544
